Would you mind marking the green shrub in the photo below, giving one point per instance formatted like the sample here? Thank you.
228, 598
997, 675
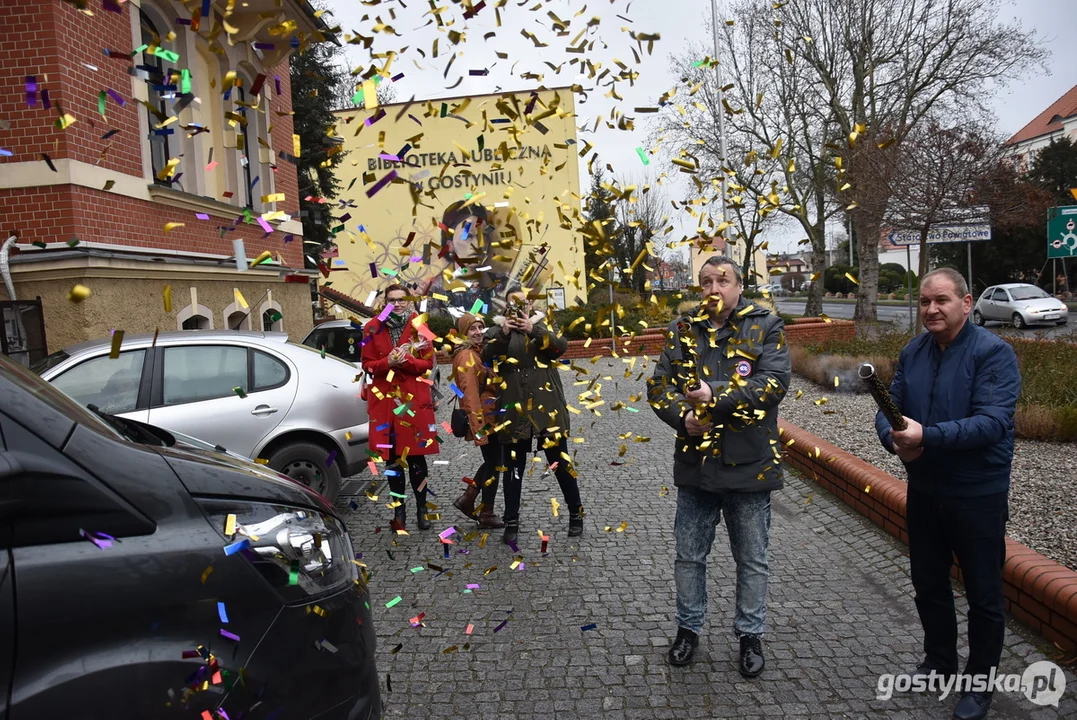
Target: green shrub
1047, 406
1048, 373
440, 323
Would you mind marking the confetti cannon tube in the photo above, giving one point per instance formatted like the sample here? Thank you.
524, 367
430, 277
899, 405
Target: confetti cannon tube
689, 366
882, 396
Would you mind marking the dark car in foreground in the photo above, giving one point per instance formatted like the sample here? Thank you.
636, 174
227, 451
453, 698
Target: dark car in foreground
145, 576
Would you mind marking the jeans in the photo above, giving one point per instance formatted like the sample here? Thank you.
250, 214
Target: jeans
747, 518
514, 479
491, 461
973, 529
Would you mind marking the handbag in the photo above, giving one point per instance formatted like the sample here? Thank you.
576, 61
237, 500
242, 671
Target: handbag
459, 421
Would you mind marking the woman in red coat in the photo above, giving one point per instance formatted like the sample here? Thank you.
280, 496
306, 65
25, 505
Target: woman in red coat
402, 423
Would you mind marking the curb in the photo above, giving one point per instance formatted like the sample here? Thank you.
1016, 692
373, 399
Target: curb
1039, 592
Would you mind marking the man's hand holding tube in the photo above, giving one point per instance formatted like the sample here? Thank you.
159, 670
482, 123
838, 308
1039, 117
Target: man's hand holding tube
907, 442
698, 397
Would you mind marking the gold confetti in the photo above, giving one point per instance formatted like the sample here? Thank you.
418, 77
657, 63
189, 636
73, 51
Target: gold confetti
78, 293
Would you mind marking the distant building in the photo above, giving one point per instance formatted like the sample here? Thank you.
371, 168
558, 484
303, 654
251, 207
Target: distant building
1057, 121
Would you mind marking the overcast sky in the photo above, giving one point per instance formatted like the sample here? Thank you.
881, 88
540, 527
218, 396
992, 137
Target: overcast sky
681, 24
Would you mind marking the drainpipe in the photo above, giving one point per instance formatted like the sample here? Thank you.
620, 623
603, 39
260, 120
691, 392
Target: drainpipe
5, 269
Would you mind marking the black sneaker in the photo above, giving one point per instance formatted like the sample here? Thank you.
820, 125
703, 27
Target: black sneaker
683, 647
751, 655
973, 706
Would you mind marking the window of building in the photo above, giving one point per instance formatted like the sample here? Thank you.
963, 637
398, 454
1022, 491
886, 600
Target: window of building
271, 320
247, 155
195, 317
195, 322
238, 320
160, 143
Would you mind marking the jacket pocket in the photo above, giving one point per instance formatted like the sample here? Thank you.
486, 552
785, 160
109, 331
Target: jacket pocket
744, 446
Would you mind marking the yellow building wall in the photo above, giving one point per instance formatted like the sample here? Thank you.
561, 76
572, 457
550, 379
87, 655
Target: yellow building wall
513, 154
134, 305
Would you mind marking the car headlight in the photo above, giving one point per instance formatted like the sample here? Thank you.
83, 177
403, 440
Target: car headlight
301, 553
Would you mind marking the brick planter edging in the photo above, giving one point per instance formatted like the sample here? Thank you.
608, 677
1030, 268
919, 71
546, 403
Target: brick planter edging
1040, 593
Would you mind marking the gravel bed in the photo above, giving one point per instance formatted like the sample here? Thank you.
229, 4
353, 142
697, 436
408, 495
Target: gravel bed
1043, 487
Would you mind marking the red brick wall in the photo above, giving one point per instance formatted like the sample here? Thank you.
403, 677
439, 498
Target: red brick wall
281, 137
814, 330
1039, 592
56, 214
50, 40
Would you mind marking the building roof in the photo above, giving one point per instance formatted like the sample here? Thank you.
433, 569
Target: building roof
346, 301
1049, 120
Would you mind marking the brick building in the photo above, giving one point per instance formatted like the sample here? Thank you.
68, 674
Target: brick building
139, 140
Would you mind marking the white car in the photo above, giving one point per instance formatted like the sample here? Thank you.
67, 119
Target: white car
1020, 305
254, 394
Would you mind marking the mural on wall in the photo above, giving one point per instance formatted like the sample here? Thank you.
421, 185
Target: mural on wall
460, 226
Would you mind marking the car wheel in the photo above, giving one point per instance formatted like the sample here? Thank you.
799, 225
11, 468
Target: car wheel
305, 462
1063, 322
1018, 321
978, 318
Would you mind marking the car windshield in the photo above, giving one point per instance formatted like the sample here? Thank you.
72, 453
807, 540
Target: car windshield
1029, 292
47, 363
51, 396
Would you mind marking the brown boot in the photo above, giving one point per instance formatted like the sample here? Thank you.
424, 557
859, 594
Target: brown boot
487, 519
466, 502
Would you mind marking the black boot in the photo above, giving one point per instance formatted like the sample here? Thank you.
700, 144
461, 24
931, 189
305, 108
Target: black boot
512, 531
575, 522
420, 501
751, 655
683, 647
400, 518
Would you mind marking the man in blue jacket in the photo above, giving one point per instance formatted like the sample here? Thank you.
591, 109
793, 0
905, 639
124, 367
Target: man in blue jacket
957, 386
727, 456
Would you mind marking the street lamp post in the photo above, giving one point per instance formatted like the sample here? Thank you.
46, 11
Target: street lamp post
721, 104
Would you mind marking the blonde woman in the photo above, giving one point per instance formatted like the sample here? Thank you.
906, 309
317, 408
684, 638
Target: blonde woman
479, 401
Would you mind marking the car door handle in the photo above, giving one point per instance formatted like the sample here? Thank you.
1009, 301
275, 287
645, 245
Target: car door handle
263, 410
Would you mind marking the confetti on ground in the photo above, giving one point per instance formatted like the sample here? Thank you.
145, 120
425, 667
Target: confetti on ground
393, 602
585, 628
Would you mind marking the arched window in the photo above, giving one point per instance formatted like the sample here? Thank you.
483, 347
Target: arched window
195, 317
236, 317
272, 318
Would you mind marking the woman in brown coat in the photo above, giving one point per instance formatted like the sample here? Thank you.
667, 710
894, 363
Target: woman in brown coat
524, 354
479, 401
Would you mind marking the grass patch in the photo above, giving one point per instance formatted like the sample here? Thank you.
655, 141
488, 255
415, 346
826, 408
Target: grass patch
1046, 408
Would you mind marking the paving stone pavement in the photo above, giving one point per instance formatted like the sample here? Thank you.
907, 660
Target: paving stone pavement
840, 608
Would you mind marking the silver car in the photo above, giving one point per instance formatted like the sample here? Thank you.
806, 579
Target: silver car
1019, 304
255, 394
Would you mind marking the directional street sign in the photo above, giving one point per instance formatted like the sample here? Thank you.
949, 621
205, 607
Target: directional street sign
942, 234
1062, 232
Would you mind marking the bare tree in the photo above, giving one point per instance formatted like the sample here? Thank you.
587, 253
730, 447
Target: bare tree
778, 165
881, 67
644, 229
938, 170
